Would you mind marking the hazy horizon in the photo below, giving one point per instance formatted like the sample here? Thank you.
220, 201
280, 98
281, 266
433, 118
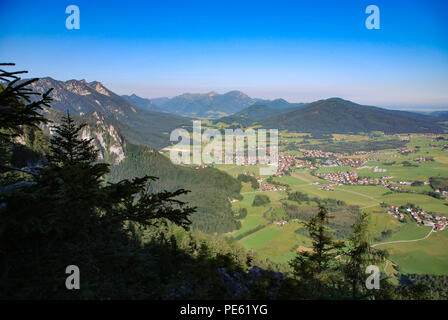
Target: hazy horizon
297, 51
391, 107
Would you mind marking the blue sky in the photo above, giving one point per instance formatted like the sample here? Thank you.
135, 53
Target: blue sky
298, 50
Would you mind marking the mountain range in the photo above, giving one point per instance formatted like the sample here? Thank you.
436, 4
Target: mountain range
150, 121
208, 105
82, 98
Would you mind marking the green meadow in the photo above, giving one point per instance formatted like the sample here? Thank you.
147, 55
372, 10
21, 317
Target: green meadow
423, 256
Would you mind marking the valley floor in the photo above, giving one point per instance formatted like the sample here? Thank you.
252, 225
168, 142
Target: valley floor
413, 247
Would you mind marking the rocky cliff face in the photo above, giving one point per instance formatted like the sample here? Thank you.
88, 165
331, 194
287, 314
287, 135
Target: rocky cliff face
106, 137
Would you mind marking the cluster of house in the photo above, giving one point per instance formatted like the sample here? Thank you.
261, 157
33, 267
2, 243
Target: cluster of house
340, 177
442, 192
404, 182
424, 159
201, 166
395, 212
352, 162
266, 186
383, 181
435, 221
404, 138
270, 187
303, 163
406, 150
319, 154
285, 162
363, 153
420, 216
432, 135
281, 223
351, 178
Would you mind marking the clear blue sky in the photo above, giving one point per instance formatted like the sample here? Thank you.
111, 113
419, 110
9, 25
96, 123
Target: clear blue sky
297, 50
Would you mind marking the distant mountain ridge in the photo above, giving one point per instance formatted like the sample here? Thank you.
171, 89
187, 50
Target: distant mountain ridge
208, 105
205, 105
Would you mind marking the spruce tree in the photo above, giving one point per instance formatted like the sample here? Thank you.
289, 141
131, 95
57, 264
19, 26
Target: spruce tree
358, 256
67, 147
16, 106
315, 268
18, 113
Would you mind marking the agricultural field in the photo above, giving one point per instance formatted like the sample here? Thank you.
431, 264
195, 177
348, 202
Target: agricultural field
425, 256
397, 177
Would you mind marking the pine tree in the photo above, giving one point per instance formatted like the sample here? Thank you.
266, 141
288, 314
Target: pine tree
315, 268
17, 113
16, 107
68, 148
359, 255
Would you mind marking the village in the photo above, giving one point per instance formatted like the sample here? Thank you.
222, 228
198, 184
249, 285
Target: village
437, 222
352, 178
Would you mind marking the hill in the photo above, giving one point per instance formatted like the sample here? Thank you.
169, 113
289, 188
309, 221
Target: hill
442, 115
259, 111
336, 115
280, 104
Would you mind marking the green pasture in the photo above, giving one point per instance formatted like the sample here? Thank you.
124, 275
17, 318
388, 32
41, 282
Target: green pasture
429, 256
